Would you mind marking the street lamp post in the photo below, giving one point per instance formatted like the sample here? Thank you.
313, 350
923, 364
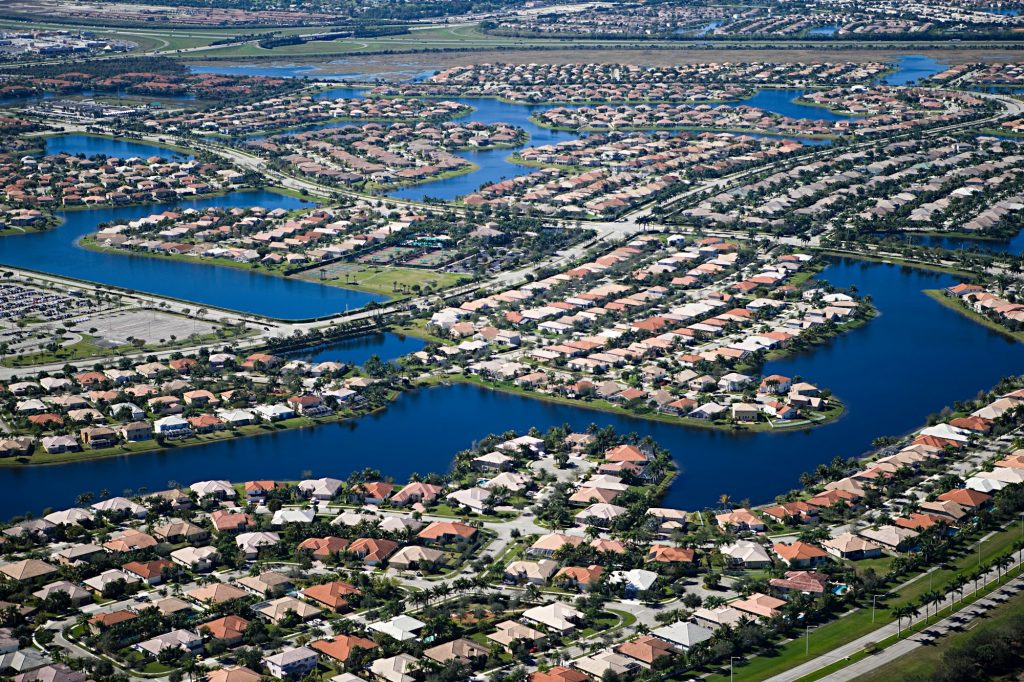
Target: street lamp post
731, 659
873, 598
807, 639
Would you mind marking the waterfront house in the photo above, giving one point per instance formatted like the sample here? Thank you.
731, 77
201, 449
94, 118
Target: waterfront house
323, 489
274, 413
136, 431
416, 491
740, 519
172, 427
98, 437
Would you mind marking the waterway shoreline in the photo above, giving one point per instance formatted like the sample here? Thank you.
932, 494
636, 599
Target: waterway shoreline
955, 304
89, 243
200, 440
697, 129
609, 408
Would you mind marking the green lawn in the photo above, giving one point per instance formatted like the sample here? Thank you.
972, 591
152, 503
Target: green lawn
925, 661
827, 637
388, 280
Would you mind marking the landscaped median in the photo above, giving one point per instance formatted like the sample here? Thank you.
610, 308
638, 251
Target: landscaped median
912, 629
858, 623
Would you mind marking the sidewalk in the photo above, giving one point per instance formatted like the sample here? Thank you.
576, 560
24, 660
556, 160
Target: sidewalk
858, 645
866, 665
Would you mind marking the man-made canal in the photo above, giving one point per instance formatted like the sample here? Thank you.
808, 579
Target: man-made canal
387, 346
915, 358
92, 145
56, 252
493, 165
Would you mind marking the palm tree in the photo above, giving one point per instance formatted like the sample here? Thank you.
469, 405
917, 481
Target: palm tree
927, 599
977, 575
957, 585
899, 613
1003, 563
725, 500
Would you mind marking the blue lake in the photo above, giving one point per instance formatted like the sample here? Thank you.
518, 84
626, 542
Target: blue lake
913, 68
915, 358
90, 145
56, 252
1013, 246
823, 31
387, 346
783, 101
494, 165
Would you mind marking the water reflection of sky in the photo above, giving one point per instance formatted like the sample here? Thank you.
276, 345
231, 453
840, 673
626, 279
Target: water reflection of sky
494, 164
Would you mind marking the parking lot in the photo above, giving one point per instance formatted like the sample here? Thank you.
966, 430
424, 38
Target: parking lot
149, 325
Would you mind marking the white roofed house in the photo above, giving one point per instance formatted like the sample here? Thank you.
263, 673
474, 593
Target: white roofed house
600, 514
534, 572
634, 580
556, 616
291, 515
530, 444
250, 544
510, 480
274, 413
235, 418
198, 559
474, 498
120, 507
322, 489
683, 634
186, 640
70, 517
221, 490
291, 663
604, 663
493, 461
746, 553
401, 628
